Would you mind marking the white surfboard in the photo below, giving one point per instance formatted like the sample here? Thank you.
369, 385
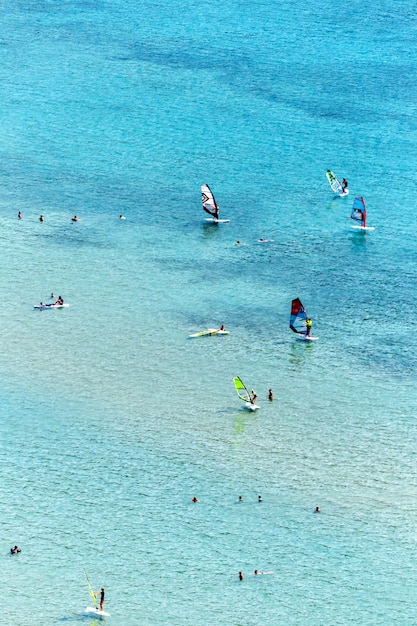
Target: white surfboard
344, 193
305, 338
91, 610
213, 220
46, 307
251, 407
362, 227
210, 331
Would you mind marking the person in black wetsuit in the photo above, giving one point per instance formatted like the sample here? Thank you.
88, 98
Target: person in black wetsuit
101, 592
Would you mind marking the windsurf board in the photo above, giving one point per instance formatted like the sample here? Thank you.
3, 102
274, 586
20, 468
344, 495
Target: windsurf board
92, 610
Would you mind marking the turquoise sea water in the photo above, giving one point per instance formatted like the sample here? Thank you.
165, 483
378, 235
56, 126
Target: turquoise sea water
111, 418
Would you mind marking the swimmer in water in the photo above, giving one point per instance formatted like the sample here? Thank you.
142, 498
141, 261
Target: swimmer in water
41, 218
241, 576
195, 499
259, 498
19, 215
270, 395
317, 509
74, 219
122, 217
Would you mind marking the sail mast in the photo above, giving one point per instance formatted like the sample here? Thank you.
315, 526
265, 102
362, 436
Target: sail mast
92, 592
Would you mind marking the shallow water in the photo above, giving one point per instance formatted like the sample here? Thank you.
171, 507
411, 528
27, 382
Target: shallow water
111, 417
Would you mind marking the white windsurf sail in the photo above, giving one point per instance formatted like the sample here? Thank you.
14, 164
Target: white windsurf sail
210, 205
334, 182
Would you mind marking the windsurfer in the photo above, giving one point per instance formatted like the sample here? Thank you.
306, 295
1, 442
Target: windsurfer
101, 592
309, 326
253, 396
344, 185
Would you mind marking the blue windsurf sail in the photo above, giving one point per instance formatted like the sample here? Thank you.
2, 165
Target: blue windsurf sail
298, 317
359, 211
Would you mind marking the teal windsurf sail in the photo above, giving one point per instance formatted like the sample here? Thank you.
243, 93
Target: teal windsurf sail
359, 211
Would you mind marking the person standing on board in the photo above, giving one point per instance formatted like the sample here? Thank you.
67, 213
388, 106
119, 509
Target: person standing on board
344, 185
101, 592
309, 326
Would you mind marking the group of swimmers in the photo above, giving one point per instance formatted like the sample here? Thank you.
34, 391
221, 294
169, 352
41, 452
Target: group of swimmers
73, 219
195, 499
